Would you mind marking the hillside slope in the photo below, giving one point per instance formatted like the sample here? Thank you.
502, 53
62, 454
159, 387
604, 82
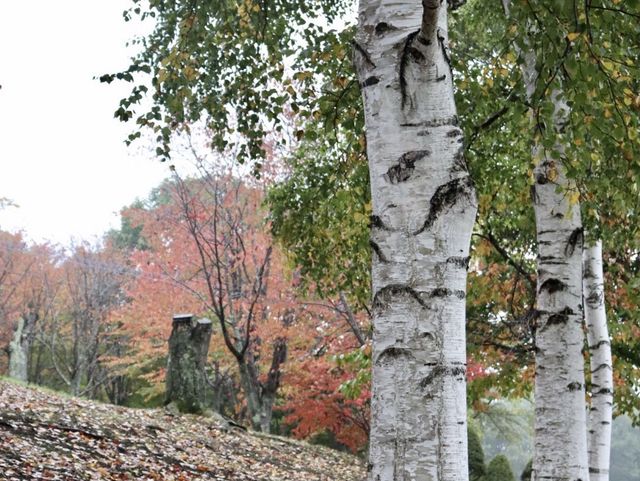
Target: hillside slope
46, 436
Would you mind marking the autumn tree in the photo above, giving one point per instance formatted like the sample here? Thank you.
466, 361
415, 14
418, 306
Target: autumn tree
14, 268
79, 333
209, 248
27, 290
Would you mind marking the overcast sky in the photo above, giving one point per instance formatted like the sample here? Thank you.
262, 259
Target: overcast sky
62, 156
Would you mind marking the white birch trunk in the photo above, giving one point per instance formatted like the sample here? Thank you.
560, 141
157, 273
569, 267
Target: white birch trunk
424, 209
560, 444
560, 440
600, 414
560, 421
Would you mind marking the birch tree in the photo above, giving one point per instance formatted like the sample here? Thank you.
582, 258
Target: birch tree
560, 425
601, 409
423, 210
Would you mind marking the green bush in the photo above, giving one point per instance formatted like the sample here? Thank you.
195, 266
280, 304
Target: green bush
477, 469
526, 473
499, 469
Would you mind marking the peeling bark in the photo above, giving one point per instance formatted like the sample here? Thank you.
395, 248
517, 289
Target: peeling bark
600, 411
423, 212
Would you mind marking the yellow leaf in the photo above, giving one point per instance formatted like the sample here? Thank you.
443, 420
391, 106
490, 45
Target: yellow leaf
574, 197
572, 36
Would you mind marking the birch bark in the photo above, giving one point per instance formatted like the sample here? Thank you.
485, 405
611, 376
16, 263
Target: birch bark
600, 412
424, 209
560, 444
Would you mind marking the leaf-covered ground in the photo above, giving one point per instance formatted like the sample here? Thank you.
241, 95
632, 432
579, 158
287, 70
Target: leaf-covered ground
47, 436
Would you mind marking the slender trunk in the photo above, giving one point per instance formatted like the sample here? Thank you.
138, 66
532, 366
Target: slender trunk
600, 413
560, 422
76, 379
424, 208
261, 396
351, 320
251, 390
560, 442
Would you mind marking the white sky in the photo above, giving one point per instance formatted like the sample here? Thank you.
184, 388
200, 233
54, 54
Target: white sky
62, 156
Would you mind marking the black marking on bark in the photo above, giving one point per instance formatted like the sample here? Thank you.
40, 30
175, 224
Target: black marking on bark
444, 292
424, 41
425, 334
454, 133
404, 62
574, 386
445, 49
416, 54
593, 470
423, 133
454, 4
541, 178
575, 238
402, 171
436, 372
370, 81
604, 365
433, 123
551, 260
445, 196
600, 344
460, 162
381, 298
384, 27
369, 467
441, 78
376, 223
360, 49
439, 371
376, 248
595, 299
462, 262
561, 317
535, 198
552, 285
604, 390
393, 352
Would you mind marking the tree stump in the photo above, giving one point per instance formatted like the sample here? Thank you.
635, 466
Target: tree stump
19, 348
186, 383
